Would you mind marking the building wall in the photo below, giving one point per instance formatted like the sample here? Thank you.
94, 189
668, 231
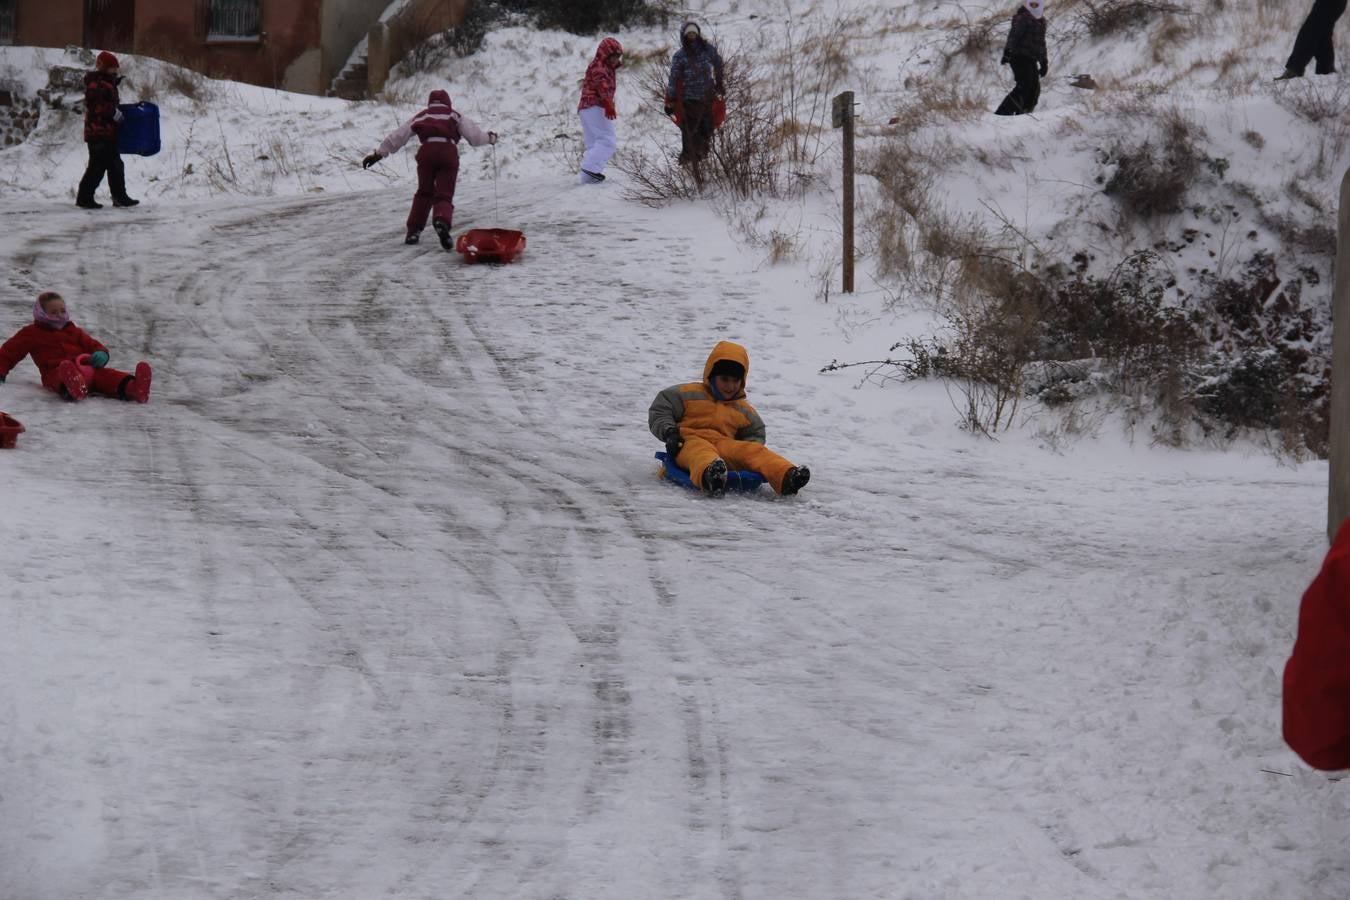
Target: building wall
303, 43
49, 23
176, 31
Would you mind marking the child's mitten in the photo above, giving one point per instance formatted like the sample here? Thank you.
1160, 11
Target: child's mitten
673, 442
98, 359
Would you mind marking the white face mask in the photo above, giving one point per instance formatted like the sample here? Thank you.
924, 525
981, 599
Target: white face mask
1036, 8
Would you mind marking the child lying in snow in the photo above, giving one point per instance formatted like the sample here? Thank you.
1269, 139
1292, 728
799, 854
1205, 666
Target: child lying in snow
709, 425
71, 362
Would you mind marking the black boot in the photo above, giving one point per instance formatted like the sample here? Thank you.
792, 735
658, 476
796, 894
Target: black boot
795, 479
87, 203
413, 237
125, 201
443, 232
715, 478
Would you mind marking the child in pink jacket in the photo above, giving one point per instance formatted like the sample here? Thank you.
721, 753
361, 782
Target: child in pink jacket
71, 362
439, 128
596, 110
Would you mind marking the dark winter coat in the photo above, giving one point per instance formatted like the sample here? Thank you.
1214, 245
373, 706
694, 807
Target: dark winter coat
1026, 39
695, 72
48, 346
1317, 676
598, 87
100, 106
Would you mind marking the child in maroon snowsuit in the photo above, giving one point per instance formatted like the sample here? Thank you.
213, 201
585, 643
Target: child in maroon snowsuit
439, 129
71, 362
1317, 676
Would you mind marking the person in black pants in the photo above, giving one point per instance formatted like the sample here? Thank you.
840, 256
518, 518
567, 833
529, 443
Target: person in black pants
1025, 52
101, 118
1314, 41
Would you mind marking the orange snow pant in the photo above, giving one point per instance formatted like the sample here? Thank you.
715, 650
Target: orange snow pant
698, 453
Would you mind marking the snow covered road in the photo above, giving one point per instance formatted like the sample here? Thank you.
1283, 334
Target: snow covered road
380, 597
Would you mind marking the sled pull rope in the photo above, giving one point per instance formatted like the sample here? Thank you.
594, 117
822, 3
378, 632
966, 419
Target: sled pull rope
496, 217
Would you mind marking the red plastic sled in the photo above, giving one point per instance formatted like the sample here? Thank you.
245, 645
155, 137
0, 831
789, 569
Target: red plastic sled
490, 244
10, 429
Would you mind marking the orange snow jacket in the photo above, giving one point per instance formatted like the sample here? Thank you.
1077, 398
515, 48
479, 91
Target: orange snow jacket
1317, 676
698, 412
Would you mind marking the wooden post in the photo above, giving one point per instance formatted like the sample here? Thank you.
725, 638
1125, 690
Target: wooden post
842, 117
1338, 494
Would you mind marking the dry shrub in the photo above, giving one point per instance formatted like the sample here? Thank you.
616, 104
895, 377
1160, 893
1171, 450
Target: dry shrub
1153, 176
974, 39
1106, 17
1165, 38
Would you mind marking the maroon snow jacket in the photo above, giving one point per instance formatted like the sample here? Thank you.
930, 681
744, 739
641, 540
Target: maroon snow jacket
100, 106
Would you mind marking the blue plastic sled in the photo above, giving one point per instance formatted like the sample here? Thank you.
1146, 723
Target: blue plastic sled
741, 481
138, 134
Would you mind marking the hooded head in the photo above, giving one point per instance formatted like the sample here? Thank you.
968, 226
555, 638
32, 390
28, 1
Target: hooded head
105, 62
1035, 7
727, 359
607, 51
689, 33
438, 98
49, 311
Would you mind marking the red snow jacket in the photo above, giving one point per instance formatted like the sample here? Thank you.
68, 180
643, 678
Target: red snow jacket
100, 106
601, 78
47, 346
1317, 676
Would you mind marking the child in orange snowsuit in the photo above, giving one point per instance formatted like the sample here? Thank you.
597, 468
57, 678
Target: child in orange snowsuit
709, 426
71, 362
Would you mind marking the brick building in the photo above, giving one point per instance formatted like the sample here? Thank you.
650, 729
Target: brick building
296, 45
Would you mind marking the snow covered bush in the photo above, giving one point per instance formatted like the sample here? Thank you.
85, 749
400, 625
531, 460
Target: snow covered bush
1152, 176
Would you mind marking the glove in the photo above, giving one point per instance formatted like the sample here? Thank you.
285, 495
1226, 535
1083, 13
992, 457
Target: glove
492, 137
1045, 69
609, 110
673, 442
117, 117
98, 359
669, 108
371, 160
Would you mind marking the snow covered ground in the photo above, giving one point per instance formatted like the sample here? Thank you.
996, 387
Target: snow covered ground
380, 596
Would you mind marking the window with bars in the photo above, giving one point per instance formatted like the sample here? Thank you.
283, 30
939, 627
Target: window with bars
7, 15
233, 19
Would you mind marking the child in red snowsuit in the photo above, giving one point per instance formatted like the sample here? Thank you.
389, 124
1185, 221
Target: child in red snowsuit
709, 425
1317, 676
439, 128
71, 362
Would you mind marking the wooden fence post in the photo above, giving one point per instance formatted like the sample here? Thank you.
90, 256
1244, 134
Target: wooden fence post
842, 117
1338, 494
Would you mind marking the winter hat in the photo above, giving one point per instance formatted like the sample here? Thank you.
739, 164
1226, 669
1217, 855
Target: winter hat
106, 60
728, 367
45, 319
690, 29
438, 96
1036, 7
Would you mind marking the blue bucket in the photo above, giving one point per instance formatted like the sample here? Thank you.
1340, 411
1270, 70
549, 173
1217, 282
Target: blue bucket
138, 134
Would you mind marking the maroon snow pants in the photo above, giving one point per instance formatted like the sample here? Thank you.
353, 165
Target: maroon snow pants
437, 171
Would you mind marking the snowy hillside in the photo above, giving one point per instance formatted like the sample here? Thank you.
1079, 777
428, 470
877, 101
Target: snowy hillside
380, 595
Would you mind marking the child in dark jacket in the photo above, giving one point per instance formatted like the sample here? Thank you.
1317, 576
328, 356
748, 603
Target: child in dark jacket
101, 120
71, 362
709, 426
1025, 52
